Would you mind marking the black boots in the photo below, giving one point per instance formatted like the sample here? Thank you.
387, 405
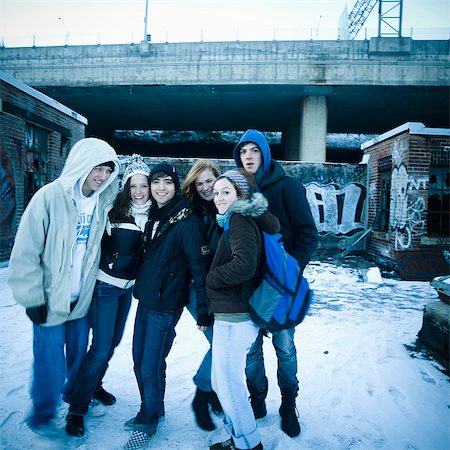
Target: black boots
213, 400
288, 413
201, 410
258, 402
75, 425
104, 396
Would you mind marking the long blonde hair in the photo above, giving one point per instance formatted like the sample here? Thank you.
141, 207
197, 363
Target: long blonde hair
189, 190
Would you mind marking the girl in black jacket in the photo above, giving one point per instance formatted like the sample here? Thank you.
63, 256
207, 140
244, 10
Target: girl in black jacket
198, 189
174, 252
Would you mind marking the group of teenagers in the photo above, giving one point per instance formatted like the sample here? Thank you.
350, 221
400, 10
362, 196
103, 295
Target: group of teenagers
84, 248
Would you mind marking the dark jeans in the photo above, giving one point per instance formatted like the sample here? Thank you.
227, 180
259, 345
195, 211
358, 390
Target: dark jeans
154, 332
202, 379
283, 343
53, 366
107, 315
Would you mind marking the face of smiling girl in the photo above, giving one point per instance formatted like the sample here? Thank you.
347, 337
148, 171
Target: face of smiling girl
139, 189
204, 184
224, 195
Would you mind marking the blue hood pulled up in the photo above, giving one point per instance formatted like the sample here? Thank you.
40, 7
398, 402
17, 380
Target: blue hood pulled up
258, 138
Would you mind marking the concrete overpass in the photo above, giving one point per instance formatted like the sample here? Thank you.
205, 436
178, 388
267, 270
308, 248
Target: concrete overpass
302, 88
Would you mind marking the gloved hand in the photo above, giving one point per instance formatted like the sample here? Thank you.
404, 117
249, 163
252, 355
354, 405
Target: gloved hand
204, 320
37, 314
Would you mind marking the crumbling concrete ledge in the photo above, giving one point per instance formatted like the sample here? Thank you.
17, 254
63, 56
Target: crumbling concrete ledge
435, 330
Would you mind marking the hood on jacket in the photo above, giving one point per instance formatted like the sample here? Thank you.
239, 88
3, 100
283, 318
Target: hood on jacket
252, 207
258, 138
256, 207
86, 154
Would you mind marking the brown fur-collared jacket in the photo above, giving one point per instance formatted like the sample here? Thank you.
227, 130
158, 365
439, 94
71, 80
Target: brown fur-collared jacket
235, 272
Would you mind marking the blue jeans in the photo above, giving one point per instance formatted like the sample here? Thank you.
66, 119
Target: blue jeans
154, 332
52, 366
231, 342
107, 316
202, 379
283, 343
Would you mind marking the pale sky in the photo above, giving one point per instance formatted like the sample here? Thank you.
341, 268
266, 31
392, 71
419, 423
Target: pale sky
53, 22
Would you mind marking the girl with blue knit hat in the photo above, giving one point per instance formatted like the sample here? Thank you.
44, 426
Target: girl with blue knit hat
233, 277
112, 296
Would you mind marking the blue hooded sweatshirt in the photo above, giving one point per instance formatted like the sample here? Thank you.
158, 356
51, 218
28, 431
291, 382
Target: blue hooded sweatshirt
259, 139
287, 200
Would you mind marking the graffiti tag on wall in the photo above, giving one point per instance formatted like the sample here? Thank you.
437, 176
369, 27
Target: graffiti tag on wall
7, 196
337, 210
406, 217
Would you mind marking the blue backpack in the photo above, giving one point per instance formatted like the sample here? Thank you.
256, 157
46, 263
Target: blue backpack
283, 297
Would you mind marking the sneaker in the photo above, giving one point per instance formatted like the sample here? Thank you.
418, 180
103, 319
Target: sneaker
96, 409
75, 425
228, 444
128, 425
138, 439
104, 397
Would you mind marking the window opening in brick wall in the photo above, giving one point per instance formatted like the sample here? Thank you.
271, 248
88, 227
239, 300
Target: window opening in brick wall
384, 180
438, 202
36, 149
64, 149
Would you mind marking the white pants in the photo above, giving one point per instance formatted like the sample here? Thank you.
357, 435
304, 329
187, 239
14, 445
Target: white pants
231, 343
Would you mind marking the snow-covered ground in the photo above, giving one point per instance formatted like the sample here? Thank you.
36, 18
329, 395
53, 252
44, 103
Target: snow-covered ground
364, 383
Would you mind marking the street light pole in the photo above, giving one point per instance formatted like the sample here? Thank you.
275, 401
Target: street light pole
146, 36
67, 31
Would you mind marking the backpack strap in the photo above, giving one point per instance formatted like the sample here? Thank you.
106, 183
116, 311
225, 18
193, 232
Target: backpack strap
226, 234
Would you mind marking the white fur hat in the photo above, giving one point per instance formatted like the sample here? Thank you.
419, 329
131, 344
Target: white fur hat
135, 166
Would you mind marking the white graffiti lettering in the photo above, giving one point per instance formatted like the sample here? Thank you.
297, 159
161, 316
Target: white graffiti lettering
406, 220
419, 183
337, 210
399, 147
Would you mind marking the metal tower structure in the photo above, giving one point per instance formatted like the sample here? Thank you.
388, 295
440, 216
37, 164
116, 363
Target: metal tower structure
390, 13
389, 17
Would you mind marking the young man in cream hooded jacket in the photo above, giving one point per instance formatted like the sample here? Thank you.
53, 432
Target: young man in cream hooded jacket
53, 268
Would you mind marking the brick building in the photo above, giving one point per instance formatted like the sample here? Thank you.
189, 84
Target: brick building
36, 133
409, 187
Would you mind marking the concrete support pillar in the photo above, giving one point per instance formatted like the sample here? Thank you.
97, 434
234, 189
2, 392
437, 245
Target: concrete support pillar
291, 144
313, 128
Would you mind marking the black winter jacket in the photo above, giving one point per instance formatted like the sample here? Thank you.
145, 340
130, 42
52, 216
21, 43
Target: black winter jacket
207, 211
287, 200
121, 250
177, 252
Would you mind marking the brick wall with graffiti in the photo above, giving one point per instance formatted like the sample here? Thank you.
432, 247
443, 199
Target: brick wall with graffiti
337, 195
408, 194
34, 141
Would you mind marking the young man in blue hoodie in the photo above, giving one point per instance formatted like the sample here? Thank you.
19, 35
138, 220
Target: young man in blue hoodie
287, 201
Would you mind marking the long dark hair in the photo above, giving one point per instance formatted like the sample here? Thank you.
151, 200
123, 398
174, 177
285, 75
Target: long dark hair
122, 205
